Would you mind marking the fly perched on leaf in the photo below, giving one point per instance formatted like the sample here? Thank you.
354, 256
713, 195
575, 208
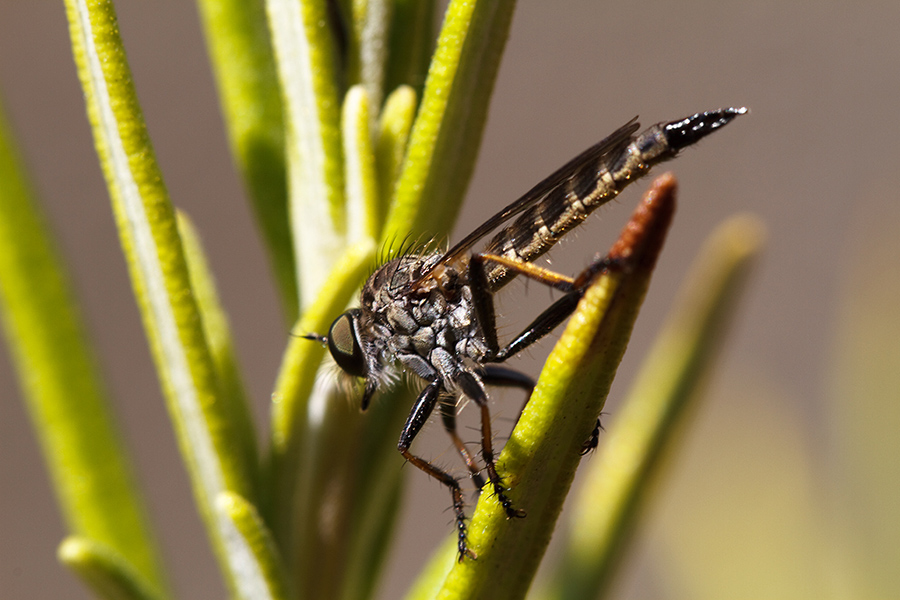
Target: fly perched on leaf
433, 313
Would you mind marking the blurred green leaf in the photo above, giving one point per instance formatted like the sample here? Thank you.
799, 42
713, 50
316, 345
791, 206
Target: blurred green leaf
864, 406
204, 425
104, 570
745, 516
237, 39
90, 467
644, 430
308, 73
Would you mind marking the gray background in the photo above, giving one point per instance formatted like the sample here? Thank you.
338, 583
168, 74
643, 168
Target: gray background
818, 151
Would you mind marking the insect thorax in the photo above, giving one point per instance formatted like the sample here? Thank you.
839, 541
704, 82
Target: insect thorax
420, 324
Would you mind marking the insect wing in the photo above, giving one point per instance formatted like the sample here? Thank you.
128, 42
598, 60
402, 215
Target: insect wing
611, 145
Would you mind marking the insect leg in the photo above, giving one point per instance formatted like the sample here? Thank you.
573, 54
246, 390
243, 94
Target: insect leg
546, 322
448, 417
504, 377
550, 278
471, 388
417, 417
540, 327
594, 440
558, 312
494, 376
483, 299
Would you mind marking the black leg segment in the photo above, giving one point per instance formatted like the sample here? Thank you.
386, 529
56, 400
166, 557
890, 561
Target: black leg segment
448, 418
418, 416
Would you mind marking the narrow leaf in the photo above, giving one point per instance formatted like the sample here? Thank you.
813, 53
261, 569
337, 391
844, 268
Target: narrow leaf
218, 335
411, 43
105, 571
69, 408
447, 132
237, 39
307, 71
254, 543
538, 462
604, 516
393, 136
863, 402
159, 273
369, 50
431, 579
375, 480
290, 400
365, 214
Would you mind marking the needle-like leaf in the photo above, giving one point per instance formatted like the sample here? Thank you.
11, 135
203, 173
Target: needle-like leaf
105, 571
290, 400
255, 544
368, 48
643, 433
411, 44
365, 212
218, 335
447, 132
68, 405
306, 61
538, 462
237, 37
393, 136
204, 424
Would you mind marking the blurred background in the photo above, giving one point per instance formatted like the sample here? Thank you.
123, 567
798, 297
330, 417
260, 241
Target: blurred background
788, 483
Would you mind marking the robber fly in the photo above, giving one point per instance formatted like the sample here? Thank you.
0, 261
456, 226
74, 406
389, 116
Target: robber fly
433, 313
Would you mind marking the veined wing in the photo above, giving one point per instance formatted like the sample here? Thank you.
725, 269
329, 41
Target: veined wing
581, 186
598, 154
564, 199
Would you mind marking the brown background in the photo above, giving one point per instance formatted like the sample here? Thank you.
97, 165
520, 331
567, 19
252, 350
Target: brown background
818, 152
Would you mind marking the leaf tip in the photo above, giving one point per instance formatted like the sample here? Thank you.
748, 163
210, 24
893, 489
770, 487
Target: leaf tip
642, 238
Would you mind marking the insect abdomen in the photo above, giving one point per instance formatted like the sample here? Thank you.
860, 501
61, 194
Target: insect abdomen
593, 184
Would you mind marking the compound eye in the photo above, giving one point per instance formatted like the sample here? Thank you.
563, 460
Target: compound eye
343, 344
